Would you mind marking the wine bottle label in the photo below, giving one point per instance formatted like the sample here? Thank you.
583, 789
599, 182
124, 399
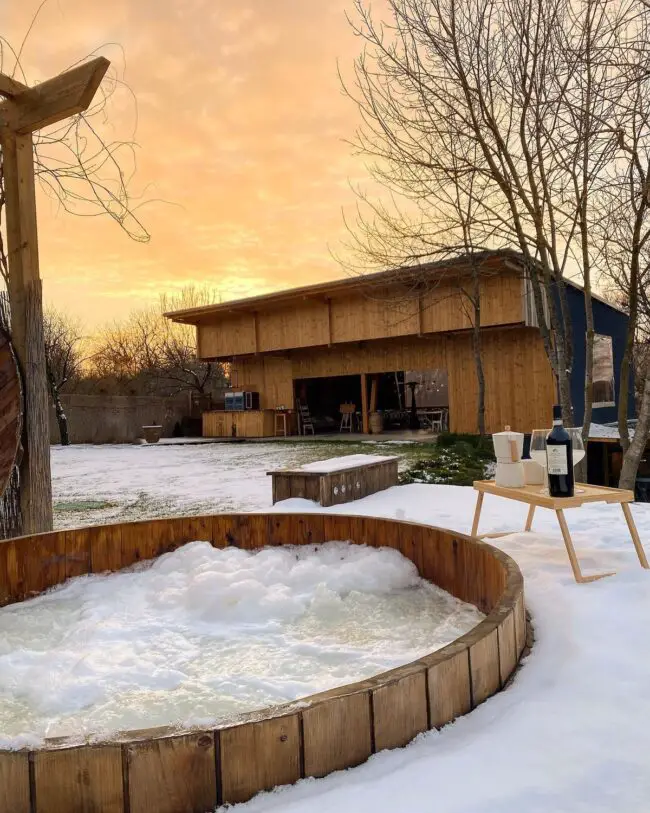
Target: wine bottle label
556, 459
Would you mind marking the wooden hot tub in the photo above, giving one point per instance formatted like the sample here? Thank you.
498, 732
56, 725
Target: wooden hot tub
167, 770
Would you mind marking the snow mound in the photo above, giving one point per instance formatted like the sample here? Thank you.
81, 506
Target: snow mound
205, 634
348, 461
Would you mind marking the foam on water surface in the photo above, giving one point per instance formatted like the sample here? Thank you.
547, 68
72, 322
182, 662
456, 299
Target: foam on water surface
203, 635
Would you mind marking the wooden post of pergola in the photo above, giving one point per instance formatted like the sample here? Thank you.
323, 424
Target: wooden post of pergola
24, 111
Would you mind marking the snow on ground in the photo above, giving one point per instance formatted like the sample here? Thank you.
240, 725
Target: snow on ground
348, 461
204, 634
94, 484
572, 734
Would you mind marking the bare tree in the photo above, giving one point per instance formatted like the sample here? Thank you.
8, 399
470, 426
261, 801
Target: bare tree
179, 343
624, 237
63, 358
519, 97
149, 351
384, 237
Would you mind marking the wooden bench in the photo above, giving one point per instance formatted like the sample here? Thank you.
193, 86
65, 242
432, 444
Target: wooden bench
337, 480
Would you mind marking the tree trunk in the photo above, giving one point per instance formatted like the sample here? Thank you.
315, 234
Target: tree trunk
480, 376
564, 387
61, 417
581, 469
478, 358
62, 421
552, 337
632, 457
589, 373
624, 382
632, 323
26, 304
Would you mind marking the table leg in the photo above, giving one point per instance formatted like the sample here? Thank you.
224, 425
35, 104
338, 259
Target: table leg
635, 535
575, 566
477, 513
529, 518
529, 524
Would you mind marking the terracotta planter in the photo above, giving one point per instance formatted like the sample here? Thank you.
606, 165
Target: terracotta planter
152, 434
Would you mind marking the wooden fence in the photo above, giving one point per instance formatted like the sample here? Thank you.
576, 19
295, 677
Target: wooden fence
168, 770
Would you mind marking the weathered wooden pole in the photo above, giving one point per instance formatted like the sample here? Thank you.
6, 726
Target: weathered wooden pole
25, 297
24, 111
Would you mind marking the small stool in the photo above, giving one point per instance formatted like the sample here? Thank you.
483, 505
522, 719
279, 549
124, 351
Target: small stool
280, 424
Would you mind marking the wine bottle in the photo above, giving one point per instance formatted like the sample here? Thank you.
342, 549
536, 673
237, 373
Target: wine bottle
559, 458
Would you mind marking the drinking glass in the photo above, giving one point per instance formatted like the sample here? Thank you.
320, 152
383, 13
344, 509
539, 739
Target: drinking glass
538, 451
575, 433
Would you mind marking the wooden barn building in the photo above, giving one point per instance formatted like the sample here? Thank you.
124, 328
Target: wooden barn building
361, 340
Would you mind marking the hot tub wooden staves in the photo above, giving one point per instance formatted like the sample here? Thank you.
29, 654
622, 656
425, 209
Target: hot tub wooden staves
169, 770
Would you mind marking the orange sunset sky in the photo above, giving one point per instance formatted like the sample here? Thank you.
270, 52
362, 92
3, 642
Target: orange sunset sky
241, 128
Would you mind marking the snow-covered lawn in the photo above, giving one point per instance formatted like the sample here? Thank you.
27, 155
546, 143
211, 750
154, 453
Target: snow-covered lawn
95, 484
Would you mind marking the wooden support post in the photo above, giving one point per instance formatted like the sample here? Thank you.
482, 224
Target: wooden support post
373, 394
329, 322
256, 332
27, 330
364, 404
24, 111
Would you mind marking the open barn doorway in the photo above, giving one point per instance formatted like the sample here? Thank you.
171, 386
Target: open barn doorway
324, 397
389, 396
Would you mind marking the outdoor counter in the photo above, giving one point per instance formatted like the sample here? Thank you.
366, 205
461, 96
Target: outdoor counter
249, 423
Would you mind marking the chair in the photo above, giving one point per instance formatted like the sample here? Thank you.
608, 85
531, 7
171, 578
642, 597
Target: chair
437, 420
304, 418
347, 415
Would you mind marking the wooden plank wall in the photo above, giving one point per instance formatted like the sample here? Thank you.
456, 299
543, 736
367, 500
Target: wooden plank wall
248, 424
407, 353
234, 334
358, 316
305, 325
520, 389
519, 383
444, 309
198, 770
271, 376
375, 316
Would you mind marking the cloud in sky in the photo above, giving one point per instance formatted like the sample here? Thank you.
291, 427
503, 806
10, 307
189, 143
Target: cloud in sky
241, 127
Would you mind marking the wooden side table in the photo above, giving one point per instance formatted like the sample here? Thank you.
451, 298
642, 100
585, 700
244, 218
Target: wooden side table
533, 496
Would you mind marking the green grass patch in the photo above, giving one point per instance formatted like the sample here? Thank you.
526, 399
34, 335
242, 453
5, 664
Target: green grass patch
83, 505
457, 460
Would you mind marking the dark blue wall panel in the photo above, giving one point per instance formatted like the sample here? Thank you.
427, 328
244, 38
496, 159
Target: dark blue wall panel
609, 322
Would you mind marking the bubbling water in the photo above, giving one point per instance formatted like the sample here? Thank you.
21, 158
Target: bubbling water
203, 635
